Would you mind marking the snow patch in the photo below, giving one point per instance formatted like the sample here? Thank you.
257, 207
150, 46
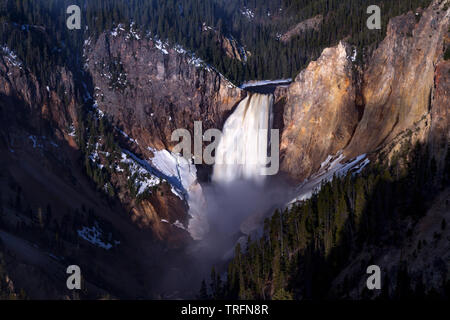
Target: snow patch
179, 225
249, 14
355, 54
330, 168
72, 131
179, 172
131, 34
182, 175
128, 137
143, 179
35, 142
94, 235
11, 57
161, 46
39, 142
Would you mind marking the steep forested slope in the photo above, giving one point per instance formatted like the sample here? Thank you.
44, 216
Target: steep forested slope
320, 248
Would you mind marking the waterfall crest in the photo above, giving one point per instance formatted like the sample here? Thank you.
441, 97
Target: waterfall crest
242, 150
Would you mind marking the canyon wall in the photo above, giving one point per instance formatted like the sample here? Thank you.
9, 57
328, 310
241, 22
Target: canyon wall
158, 89
26, 101
320, 113
400, 77
334, 105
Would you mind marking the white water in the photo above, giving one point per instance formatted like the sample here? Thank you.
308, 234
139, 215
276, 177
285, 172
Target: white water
242, 151
182, 175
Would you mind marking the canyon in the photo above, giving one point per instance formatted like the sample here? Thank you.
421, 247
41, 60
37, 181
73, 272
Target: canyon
337, 116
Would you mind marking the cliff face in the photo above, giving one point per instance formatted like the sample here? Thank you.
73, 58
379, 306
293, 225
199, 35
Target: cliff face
25, 101
232, 49
54, 199
400, 77
440, 125
333, 106
151, 90
320, 113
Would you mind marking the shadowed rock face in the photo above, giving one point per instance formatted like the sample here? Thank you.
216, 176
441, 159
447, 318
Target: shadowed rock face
398, 82
320, 114
402, 83
24, 100
440, 118
163, 91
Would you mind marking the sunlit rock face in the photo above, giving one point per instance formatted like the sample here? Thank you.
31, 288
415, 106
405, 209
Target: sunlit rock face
335, 105
399, 80
320, 113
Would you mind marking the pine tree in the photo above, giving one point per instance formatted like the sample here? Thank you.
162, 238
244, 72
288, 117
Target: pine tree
203, 293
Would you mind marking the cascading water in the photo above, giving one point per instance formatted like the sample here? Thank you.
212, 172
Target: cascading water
242, 151
235, 204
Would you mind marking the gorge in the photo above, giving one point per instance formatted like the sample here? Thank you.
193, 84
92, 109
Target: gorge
301, 196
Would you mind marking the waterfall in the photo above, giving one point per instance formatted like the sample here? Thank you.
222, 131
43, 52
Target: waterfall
243, 148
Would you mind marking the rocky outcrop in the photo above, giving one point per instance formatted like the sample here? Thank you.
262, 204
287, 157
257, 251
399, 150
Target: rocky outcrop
309, 24
440, 117
165, 215
24, 100
229, 46
150, 90
232, 49
320, 113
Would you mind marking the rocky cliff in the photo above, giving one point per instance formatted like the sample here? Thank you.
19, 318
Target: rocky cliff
320, 112
334, 105
399, 81
397, 100
150, 89
25, 100
440, 124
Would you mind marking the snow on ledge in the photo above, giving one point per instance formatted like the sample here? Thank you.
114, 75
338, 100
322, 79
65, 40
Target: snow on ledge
331, 167
11, 56
94, 235
182, 176
261, 83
